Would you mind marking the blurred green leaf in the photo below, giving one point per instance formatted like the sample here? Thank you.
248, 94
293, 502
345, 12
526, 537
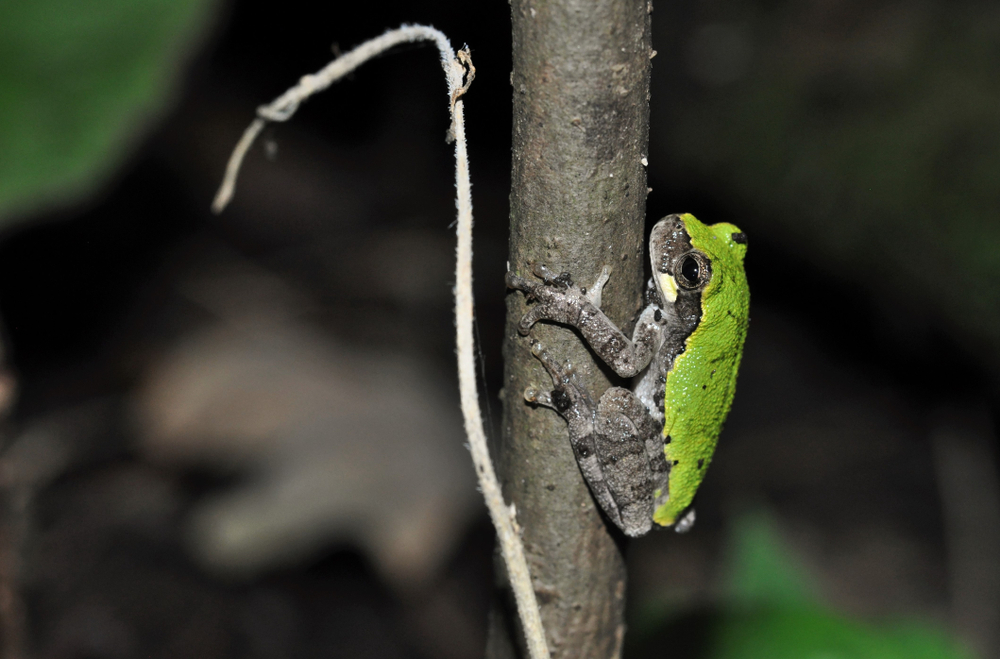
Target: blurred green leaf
772, 612
788, 633
760, 570
79, 79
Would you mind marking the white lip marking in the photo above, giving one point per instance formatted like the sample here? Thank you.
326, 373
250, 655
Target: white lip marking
668, 287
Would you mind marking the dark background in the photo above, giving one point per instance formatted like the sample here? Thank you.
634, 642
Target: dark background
864, 418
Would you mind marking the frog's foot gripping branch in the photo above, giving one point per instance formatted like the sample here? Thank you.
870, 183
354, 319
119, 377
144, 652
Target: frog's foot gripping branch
572, 402
616, 443
567, 397
560, 301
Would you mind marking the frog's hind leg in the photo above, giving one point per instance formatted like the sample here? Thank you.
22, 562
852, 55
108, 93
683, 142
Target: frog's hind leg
567, 397
630, 452
576, 406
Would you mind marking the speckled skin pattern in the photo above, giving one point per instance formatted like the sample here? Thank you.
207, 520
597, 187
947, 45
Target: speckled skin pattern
683, 356
701, 384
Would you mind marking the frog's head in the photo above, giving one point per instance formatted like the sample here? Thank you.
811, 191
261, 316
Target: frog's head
684, 252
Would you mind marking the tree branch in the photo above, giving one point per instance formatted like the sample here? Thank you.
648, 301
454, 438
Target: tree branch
578, 191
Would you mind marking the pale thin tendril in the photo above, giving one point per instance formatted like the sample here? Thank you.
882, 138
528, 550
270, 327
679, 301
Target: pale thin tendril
459, 72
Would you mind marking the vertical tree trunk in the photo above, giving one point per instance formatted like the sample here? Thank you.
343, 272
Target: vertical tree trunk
578, 193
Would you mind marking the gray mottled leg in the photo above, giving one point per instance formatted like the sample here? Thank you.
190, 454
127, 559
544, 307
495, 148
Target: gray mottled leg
559, 301
616, 442
630, 451
574, 404
650, 430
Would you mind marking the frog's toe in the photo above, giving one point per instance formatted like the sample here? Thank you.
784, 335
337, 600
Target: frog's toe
684, 524
547, 275
540, 352
560, 373
515, 282
594, 294
536, 396
529, 319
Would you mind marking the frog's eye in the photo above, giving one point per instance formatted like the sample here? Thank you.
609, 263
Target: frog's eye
692, 271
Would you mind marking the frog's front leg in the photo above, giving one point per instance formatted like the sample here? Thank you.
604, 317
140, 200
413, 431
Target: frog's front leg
560, 301
617, 445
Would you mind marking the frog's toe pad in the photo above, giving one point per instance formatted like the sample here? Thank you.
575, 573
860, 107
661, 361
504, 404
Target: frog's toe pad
547, 275
536, 396
685, 523
513, 281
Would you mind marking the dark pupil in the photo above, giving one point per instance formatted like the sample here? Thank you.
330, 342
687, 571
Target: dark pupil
690, 269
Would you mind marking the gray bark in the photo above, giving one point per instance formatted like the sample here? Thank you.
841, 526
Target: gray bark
578, 193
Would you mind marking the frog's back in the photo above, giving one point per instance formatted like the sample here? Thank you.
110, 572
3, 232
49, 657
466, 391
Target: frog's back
701, 384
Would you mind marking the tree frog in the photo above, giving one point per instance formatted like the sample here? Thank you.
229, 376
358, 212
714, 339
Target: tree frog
644, 451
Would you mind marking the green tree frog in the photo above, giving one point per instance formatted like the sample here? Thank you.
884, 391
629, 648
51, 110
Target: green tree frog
644, 451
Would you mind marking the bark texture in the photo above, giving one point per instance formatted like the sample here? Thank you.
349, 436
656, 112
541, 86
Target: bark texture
578, 196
